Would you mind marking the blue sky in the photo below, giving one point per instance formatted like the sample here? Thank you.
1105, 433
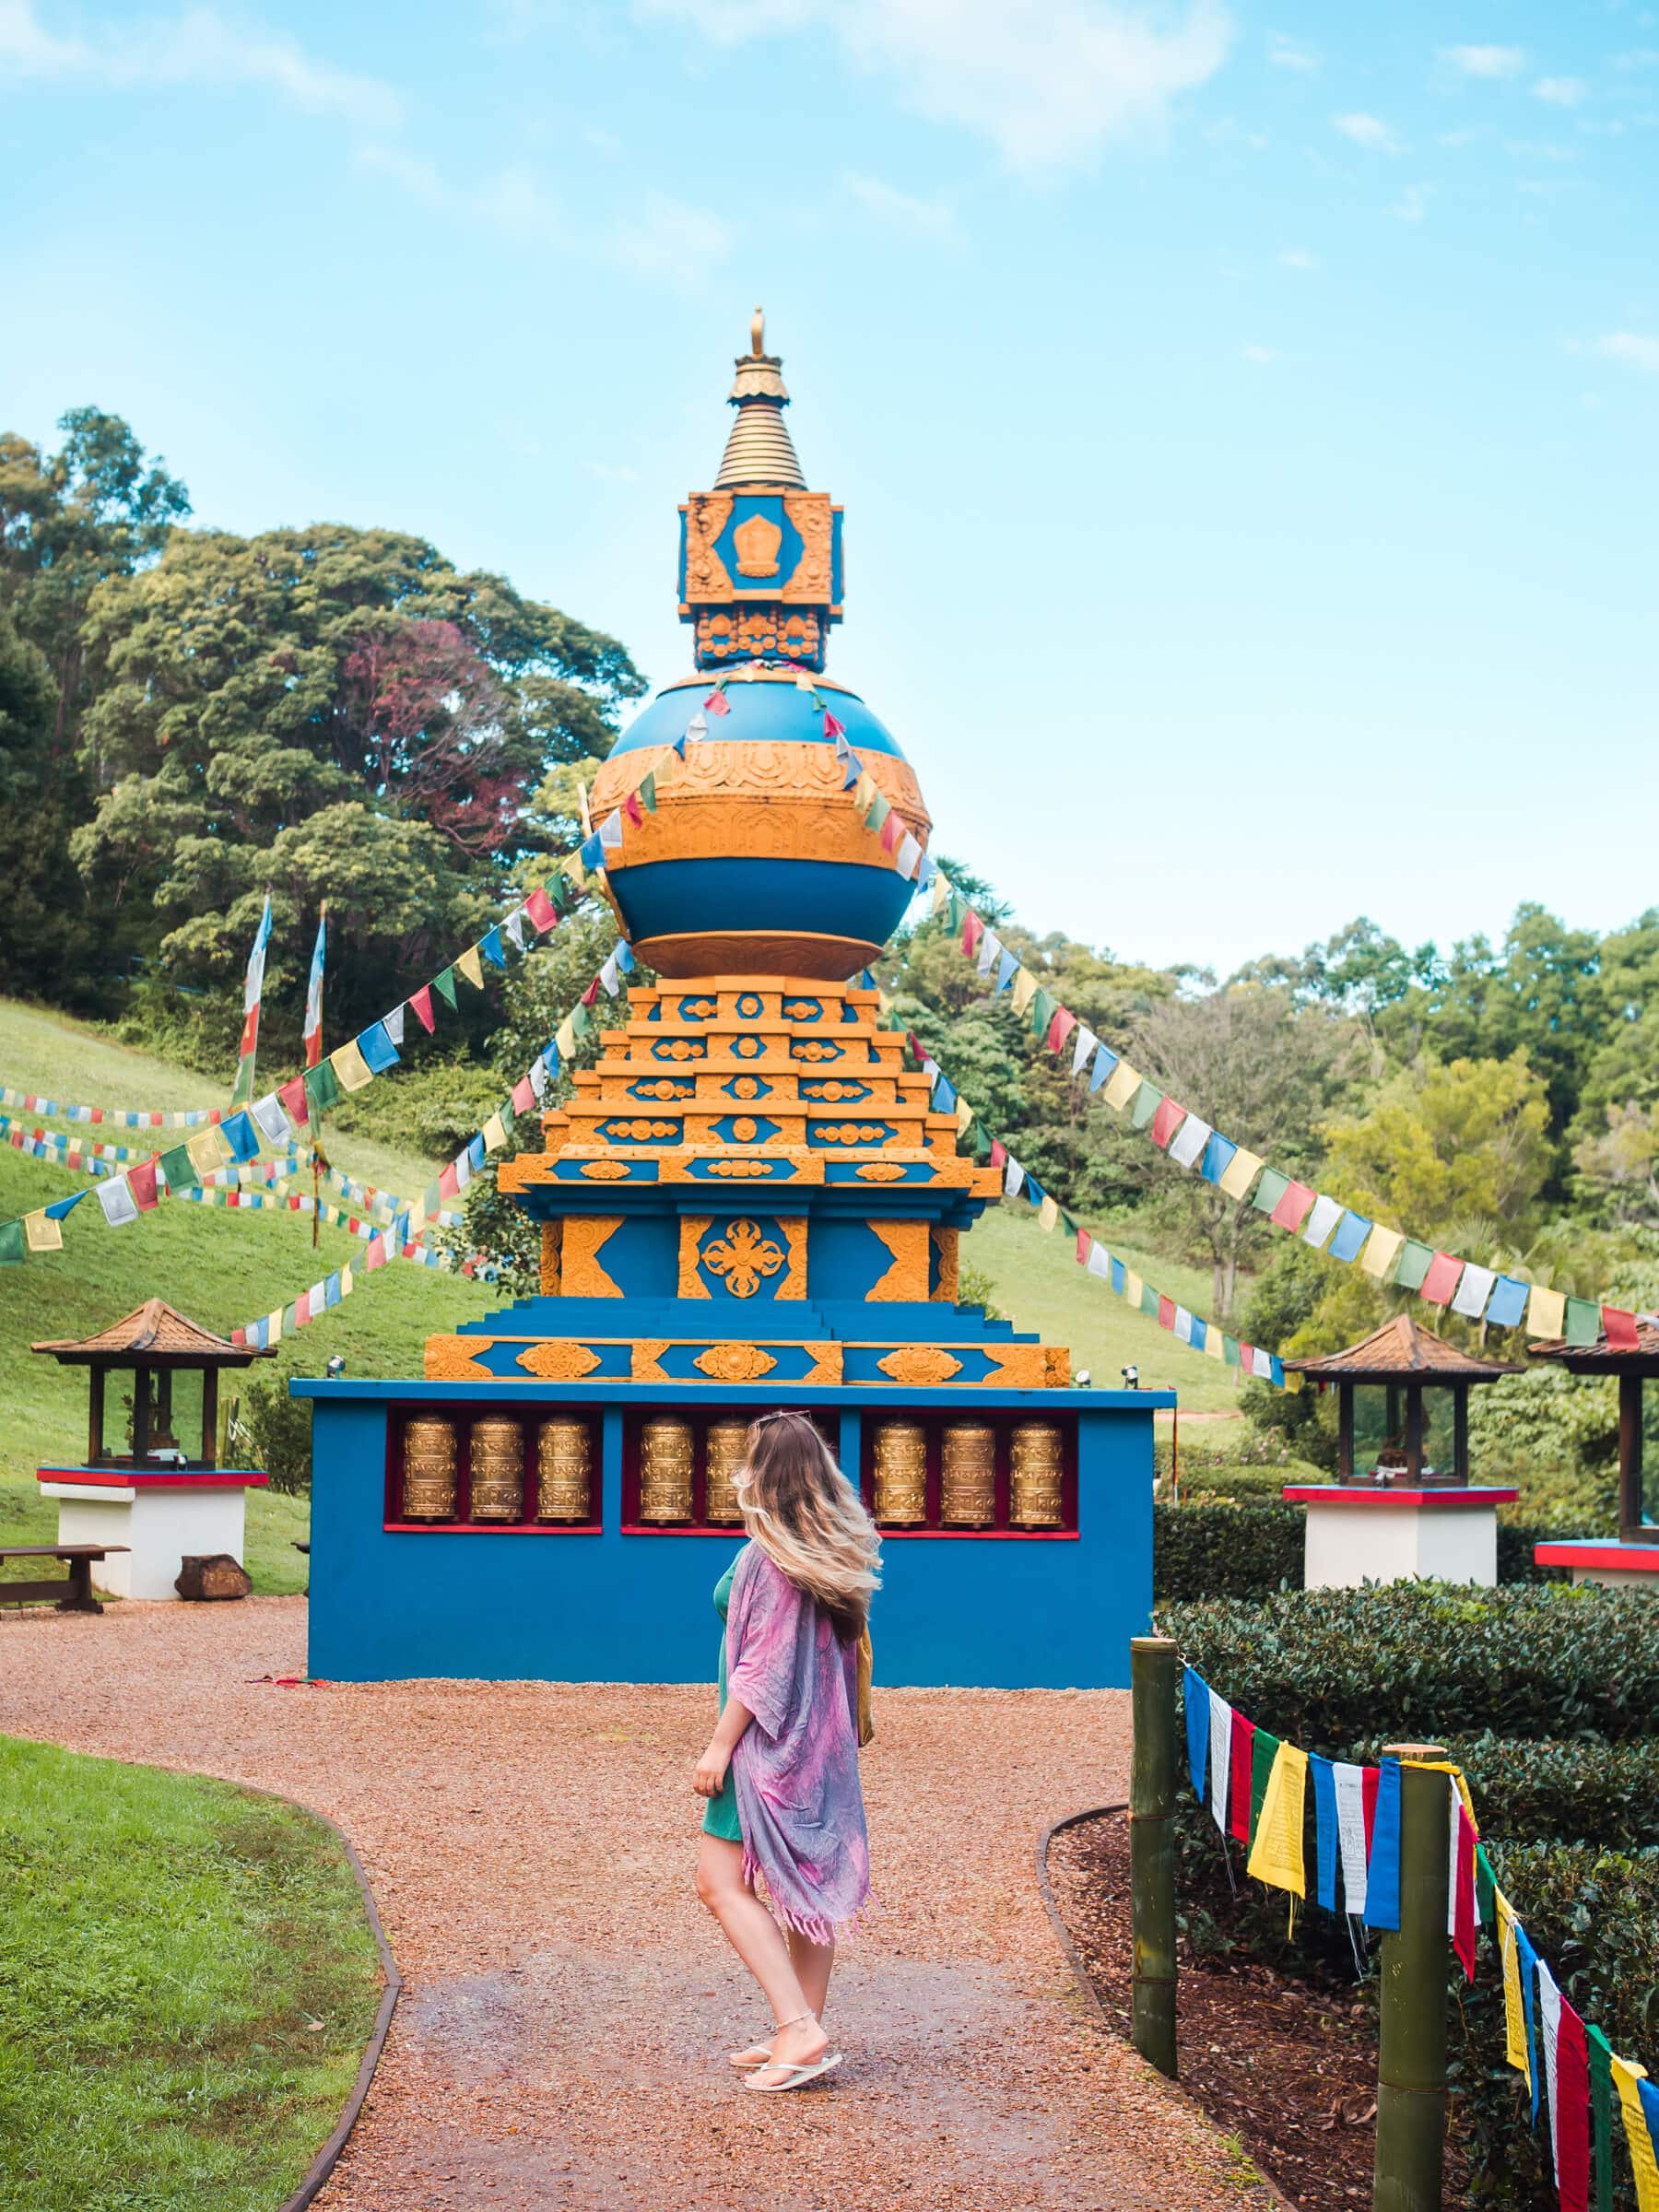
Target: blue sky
1246, 416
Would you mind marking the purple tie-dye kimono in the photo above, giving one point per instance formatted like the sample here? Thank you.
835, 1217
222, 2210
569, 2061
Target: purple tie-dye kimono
796, 1771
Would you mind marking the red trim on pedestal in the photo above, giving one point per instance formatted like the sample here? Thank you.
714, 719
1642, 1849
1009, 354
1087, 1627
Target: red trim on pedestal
1605, 1551
1354, 1493
156, 1478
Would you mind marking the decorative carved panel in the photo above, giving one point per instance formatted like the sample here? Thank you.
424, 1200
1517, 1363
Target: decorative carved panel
559, 1361
734, 1362
584, 1238
922, 1365
906, 1279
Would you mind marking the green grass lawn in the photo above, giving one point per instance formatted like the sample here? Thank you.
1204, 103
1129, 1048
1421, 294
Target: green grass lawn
1040, 1286
194, 2043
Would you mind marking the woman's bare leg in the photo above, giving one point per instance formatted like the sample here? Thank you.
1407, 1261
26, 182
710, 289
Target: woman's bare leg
758, 1941
814, 1963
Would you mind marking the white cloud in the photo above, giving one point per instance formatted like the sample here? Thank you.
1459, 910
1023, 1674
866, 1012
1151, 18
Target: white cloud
1290, 53
612, 472
1632, 347
1561, 92
900, 210
1369, 131
419, 177
198, 47
1489, 62
1047, 83
1259, 356
1297, 257
671, 239
1412, 203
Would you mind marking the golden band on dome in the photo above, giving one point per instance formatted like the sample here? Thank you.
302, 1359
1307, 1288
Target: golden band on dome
823, 959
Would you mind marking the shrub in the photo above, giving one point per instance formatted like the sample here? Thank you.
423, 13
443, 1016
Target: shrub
275, 1431
1327, 1668
1220, 1551
1252, 1485
1515, 1561
1579, 1791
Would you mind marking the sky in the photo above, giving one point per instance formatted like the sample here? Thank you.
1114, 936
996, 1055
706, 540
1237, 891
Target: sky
1246, 416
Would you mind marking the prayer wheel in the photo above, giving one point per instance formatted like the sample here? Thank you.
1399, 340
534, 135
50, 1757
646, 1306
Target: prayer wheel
1036, 1463
428, 1469
725, 1448
665, 1469
564, 1471
901, 1473
497, 1470
968, 1482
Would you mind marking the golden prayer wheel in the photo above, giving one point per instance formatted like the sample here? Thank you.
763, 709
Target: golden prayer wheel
665, 1469
497, 1470
564, 1471
901, 1473
967, 1483
1038, 1462
428, 1469
725, 1448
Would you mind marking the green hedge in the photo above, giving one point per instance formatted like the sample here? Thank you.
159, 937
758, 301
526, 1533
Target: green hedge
1515, 1561
1256, 1485
1214, 1550
1329, 1668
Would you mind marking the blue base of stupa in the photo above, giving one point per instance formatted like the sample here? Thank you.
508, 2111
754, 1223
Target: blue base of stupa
1002, 1608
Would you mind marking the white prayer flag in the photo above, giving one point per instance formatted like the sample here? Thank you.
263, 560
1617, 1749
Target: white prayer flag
990, 952
119, 1205
463, 1170
513, 924
1220, 1757
1186, 1147
1099, 1260
1184, 1325
1350, 1833
1261, 1363
1013, 1178
538, 1077
908, 858
1474, 1289
607, 977
394, 1022
1322, 1217
1084, 1044
697, 728
270, 1120
1549, 2012
610, 829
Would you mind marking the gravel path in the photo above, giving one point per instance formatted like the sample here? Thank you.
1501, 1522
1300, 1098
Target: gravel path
559, 2045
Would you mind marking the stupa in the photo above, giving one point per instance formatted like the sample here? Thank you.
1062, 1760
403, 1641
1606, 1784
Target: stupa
748, 1203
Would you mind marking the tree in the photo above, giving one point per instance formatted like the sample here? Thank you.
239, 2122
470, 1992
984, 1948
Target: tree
1440, 1143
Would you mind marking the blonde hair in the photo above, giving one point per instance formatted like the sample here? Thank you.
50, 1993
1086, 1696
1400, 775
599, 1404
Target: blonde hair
808, 1519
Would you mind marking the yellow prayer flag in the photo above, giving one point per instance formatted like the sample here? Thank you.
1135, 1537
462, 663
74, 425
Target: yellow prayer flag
274, 1327
1123, 1083
347, 1282
1275, 1855
1293, 1378
1131, 1286
1627, 2072
1546, 1313
472, 968
1382, 1250
1241, 1172
418, 1218
40, 1234
208, 1148
1048, 1213
964, 1117
495, 1133
349, 1065
941, 894
864, 791
566, 1038
1214, 1345
1025, 991
1515, 2012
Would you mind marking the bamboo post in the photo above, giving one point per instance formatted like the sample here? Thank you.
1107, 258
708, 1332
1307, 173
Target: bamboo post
1152, 1848
1411, 2029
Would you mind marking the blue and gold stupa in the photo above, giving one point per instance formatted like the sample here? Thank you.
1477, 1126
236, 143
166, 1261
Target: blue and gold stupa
749, 1203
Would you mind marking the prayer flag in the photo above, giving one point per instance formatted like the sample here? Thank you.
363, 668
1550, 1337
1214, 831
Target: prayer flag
322, 1090
376, 1047
1546, 1313
271, 1122
1573, 2095
1295, 1202
311, 1029
351, 1070
472, 967
1184, 1325
14, 1243
1099, 1260
610, 831
1144, 1106
208, 1149
1195, 1698
1082, 1045
443, 983
1123, 1085
1474, 1289
495, 1132
908, 856
1351, 1233
1105, 1060
252, 987
1325, 1829
513, 925
1460, 1883
1381, 1253
1166, 1120
1025, 990
1349, 1783
1270, 1190
41, 1233
1583, 1321
1383, 1869
176, 1166
1264, 1751
422, 1001
1220, 1757
1439, 1279
543, 914
1600, 2100
1411, 1267
1322, 1220
1514, 2010
1276, 1856
1217, 1156
1550, 2022
1620, 1329
117, 1202
1628, 2079
1239, 1174
1166, 1312
1239, 1787
1048, 1213
1149, 1301
1190, 1141
1529, 1971
239, 1135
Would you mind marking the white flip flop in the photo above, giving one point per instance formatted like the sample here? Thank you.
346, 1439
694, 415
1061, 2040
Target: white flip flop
798, 2076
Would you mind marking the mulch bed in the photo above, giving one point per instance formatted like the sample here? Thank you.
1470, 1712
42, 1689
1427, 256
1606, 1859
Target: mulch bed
1288, 2066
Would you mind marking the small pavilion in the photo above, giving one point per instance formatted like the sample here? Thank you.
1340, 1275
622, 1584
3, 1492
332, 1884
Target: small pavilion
1631, 1559
1402, 1504
151, 1479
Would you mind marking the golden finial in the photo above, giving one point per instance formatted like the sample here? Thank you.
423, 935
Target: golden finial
758, 332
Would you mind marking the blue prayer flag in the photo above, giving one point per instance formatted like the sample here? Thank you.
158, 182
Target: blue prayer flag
1196, 1697
1217, 1152
241, 1136
399, 1231
490, 945
1528, 1960
1008, 968
1382, 1875
1105, 1060
60, 1206
1276, 1371
474, 1151
377, 1048
1325, 1827
593, 852
1200, 1337
944, 1097
1351, 1233
1507, 1305
331, 1290
1649, 2110
625, 958
1117, 1276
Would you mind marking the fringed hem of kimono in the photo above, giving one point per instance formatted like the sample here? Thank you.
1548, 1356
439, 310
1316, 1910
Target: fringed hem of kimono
812, 1925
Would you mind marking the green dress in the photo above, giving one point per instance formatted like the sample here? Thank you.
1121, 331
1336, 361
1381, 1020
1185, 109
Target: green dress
720, 1816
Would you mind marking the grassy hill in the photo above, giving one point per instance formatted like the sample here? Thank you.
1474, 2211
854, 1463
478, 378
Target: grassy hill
225, 1268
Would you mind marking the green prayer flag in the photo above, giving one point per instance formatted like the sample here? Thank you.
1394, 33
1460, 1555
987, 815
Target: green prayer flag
1230, 1348
648, 793
980, 1137
582, 1021
432, 1199
1583, 1321
1270, 1190
1412, 1265
1601, 2105
1042, 1012
877, 811
1144, 1106
178, 1168
1068, 1223
290, 1318
444, 985
322, 1090
1485, 1885
1148, 1300
1264, 1750
12, 1247
956, 912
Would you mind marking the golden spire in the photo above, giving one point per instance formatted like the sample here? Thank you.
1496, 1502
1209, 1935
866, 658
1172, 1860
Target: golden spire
759, 449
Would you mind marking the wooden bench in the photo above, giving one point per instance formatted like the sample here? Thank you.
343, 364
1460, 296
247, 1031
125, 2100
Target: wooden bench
75, 1596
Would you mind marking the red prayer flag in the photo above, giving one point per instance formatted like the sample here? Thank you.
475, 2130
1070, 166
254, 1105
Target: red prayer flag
302, 1309
1238, 1787
292, 1096
717, 703
1294, 1208
1166, 1312
1060, 1028
591, 994
377, 1253
632, 809
97, 1114
973, 930
1441, 1281
541, 910
1572, 2112
1085, 1246
1246, 1354
238, 1337
1166, 1120
141, 1182
523, 1095
449, 1182
1369, 1778
833, 729
999, 1153
1462, 1900
1620, 1329
422, 1001
892, 832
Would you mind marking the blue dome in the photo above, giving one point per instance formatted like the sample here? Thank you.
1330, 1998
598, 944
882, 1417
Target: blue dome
762, 712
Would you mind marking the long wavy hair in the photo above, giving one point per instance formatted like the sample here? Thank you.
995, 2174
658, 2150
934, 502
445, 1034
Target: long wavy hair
809, 1520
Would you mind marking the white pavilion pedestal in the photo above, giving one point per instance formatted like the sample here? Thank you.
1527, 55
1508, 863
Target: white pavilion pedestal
1609, 1560
1375, 1534
161, 1514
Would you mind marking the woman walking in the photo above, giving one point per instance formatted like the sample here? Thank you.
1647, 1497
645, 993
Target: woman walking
781, 1772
